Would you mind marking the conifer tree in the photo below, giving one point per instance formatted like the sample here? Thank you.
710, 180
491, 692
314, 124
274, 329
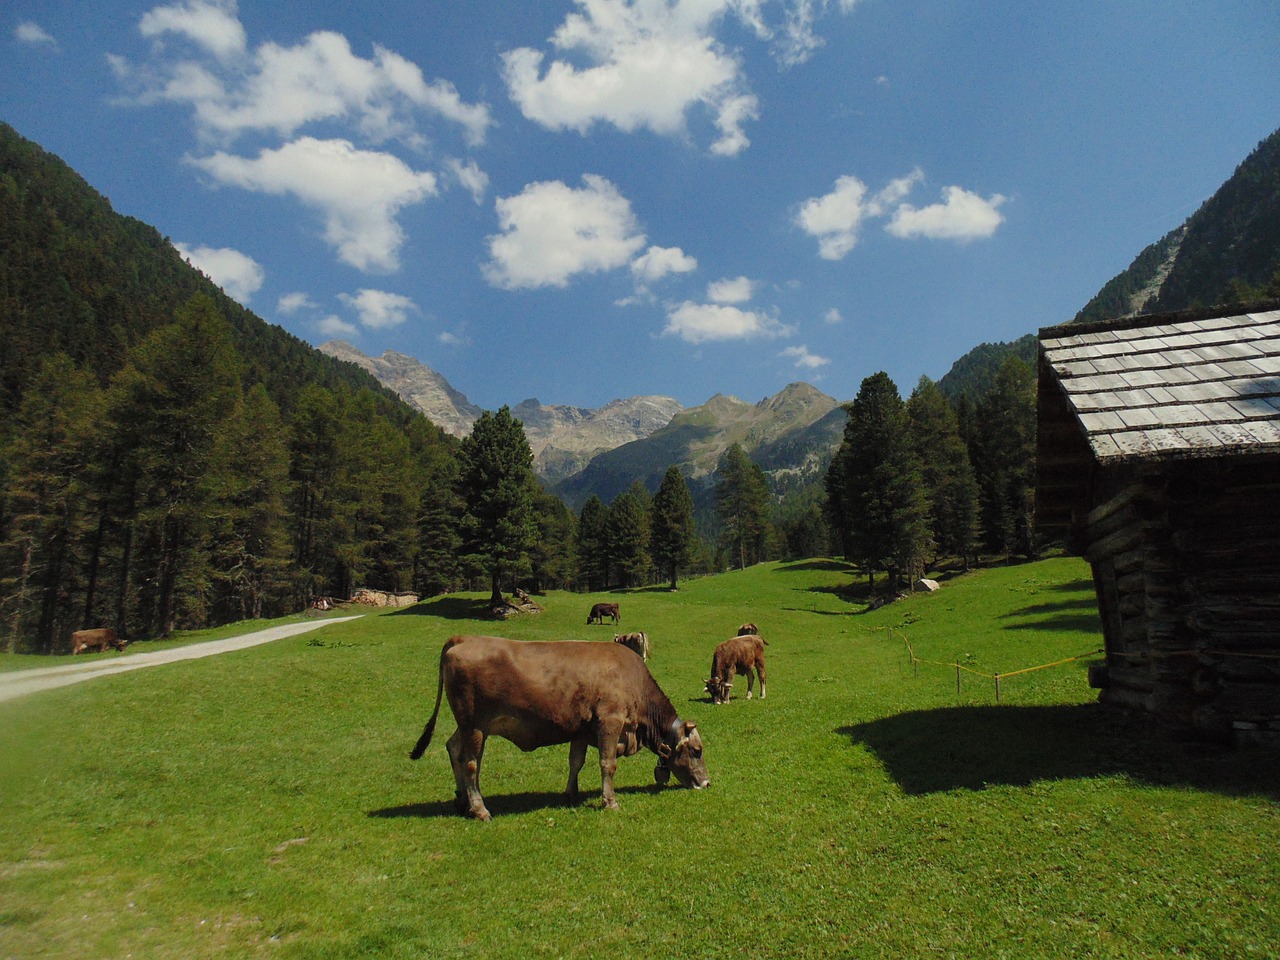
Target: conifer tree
592, 547
742, 504
498, 488
885, 505
1005, 460
627, 534
672, 536
948, 474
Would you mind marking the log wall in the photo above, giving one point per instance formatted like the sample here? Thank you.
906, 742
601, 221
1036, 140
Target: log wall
1183, 561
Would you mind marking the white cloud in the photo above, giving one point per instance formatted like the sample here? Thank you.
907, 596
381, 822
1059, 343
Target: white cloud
737, 290
647, 65
833, 316
470, 176
378, 309
552, 232
357, 192
31, 32
238, 274
332, 326
657, 262
292, 303
282, 88
452, 339
835, 218
961, 216
211, 24
700, 322
804, 359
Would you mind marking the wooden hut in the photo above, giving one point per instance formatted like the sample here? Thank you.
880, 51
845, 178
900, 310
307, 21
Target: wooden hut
1159, 461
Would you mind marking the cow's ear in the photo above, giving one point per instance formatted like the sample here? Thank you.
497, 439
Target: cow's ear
689, 727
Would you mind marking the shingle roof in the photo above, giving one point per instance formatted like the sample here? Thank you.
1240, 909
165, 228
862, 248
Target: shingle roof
1172, 387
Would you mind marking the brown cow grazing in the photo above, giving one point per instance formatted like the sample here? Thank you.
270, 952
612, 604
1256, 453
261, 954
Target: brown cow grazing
748, 630
602, 610
636, 642
95, 641
743, 654
539, 693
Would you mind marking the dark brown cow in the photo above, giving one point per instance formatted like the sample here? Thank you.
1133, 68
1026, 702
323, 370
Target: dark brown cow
748, 630
602, 610
745, 655
636, 642
539, 693
95, 641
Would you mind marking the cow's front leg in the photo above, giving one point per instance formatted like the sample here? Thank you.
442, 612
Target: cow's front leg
577, 757
607, 742
466, 749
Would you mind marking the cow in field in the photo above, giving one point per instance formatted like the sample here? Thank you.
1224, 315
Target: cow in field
602, 610
748, 630
540, 693
95, 641
636, 642
743, 654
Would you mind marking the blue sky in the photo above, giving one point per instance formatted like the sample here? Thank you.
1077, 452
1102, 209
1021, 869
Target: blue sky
580, 200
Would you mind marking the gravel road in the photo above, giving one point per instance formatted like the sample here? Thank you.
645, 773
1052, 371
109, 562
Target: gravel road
17, 683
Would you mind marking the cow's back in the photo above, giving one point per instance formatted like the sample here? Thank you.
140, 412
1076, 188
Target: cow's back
543, 691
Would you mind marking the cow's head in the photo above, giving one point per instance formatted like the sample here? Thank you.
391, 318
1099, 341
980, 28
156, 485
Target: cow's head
683, 757
719, 689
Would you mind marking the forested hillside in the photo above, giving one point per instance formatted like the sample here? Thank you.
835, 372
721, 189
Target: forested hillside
168, 458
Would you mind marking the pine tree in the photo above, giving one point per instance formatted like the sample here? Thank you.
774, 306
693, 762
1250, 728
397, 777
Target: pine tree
627, 534
885, 506
742, 504
592, 547
498, 488
948, 474
1005, 460
672, 535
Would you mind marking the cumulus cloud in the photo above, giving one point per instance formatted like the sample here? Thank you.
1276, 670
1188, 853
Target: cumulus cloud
701, 322
238, 274
833, 316
737, 290
32, 33
279, 89
357, 192
292, 303
804, 359
378, 309
658, 262
332, 326
961, 216
211, 24
836, 218
470, 176
646, 66
552, 232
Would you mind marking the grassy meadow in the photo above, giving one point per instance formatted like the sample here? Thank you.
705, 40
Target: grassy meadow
261, 803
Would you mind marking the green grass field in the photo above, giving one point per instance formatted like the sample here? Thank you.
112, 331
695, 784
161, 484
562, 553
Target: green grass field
261, 803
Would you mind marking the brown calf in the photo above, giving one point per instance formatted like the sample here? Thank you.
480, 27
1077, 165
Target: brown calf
602, 610
95, 641
745, 655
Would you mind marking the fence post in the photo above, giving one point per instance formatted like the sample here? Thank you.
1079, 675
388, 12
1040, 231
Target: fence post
997, 688
957, 679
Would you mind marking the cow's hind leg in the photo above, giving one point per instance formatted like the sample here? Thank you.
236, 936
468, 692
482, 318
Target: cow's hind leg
760, 670
751, 676
466, 749
577, 757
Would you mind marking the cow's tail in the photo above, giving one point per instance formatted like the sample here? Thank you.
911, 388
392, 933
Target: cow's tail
420, 747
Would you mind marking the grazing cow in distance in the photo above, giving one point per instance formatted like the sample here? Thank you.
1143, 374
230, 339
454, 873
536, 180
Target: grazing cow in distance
602, 610
742, 654
636, 642
748, 630
95, 641
539, 693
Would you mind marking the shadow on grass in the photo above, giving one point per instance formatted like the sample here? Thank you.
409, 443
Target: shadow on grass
447, 608
1076, 614
971, 748
831, 566
506, 803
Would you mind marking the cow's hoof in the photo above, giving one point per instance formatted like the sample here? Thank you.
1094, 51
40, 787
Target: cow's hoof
482, 815
611, 805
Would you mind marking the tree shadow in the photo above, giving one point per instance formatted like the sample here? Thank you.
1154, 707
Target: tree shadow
1078, 614
447, 608
971, 748
830, 566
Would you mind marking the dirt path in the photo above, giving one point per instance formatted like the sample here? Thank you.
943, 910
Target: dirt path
18, 683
